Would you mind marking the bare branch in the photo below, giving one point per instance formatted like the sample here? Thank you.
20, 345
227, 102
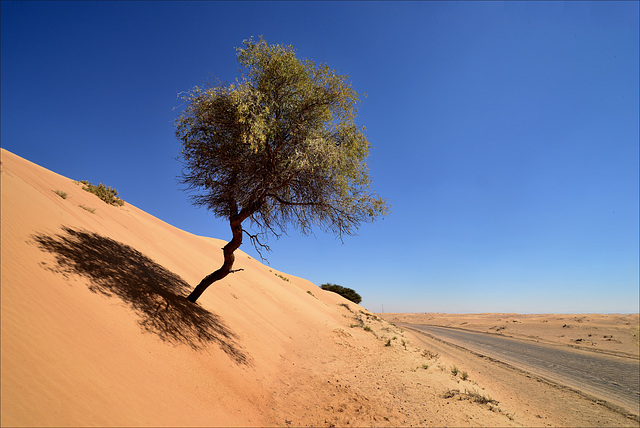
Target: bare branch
255, 241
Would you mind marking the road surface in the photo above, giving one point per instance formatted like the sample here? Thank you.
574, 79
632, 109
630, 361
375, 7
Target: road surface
613, 379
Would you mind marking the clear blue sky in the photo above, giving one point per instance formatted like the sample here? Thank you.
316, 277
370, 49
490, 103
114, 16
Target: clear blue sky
505, 135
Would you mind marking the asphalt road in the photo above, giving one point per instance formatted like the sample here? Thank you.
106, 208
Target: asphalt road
605, 377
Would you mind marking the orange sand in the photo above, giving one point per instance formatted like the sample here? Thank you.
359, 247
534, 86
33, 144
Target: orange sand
95, 333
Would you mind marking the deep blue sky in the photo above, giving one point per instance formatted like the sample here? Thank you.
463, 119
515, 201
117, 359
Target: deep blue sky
505, 135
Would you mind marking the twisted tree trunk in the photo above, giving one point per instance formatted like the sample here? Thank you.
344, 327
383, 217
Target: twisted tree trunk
236, 229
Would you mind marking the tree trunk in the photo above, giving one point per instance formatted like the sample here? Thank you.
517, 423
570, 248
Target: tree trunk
236, 241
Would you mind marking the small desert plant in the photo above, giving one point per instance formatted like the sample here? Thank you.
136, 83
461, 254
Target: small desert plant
388, 343
60, 193
425, 366
346, 306
479, 398
108, 194
367, 328
310, 293
454, 371
430, 355
464, 375
284, 278
450, 393
91, 210
472, 396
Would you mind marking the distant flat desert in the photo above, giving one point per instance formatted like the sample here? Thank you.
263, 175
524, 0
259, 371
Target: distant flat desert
615, 334
96, 331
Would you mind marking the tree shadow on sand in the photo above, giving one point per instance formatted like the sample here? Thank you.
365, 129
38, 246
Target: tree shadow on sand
154, 293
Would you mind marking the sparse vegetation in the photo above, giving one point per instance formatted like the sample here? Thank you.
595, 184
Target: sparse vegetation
450, 393
60, 193
367, 328
388, 343
346, 306
473, 396
464, 375
454, 371
310, 293
345, 292
430, 355
282, 277
476, 397
108, 194
91, 210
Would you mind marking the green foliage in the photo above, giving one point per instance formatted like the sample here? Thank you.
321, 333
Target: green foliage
279, 146
345, 292
464, 375
454, 370
108, 194
60, 193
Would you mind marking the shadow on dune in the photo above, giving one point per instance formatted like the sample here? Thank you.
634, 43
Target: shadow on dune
154, 293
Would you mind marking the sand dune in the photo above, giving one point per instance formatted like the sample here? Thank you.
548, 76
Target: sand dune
96, 331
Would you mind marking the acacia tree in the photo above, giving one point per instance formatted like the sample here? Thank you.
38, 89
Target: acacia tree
278, 147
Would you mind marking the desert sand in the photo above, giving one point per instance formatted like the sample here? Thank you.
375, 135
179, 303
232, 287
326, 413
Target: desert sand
615, 334
96, 332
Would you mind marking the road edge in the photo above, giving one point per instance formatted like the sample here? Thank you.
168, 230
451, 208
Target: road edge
611, 406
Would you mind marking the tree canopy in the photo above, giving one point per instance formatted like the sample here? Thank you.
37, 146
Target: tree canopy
347, 293
278, 146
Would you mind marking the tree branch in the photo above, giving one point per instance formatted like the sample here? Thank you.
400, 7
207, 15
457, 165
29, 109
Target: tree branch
255, 241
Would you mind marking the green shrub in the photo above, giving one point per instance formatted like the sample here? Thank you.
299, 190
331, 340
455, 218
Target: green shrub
345, 292
60, 193
108, 194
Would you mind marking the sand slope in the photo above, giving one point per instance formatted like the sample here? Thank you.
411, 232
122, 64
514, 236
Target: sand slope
93, 331
96, 332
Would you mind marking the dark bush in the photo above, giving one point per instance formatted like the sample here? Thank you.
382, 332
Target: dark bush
345, 292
